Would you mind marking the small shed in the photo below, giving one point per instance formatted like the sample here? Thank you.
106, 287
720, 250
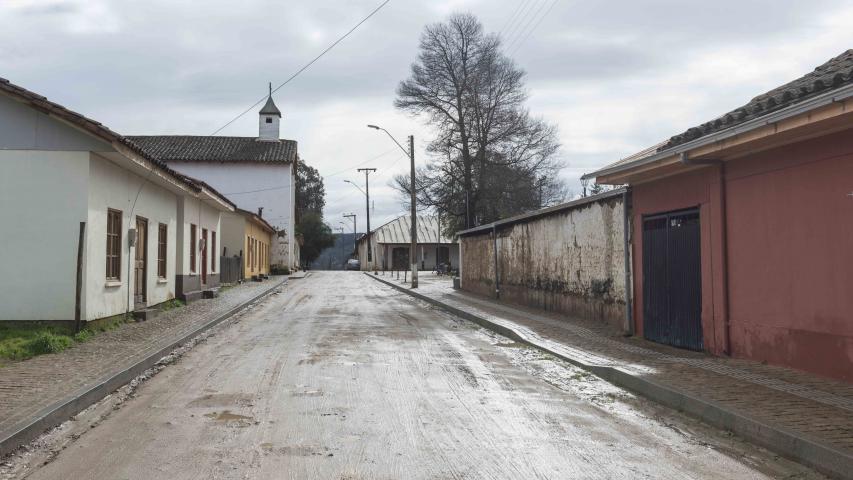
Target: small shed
390, 245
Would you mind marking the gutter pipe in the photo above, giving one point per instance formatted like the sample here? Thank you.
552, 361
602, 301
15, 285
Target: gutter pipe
497, 277
626, 238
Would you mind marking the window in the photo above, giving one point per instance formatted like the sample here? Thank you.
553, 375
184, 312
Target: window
213, 252
269, 120
162, 236
113, 244
193, 246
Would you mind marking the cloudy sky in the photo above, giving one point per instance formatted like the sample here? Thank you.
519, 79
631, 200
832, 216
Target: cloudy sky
614, 76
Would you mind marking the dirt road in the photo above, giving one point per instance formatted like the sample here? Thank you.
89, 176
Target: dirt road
339, 377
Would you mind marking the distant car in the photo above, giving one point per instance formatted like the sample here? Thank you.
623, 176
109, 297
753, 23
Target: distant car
353, 264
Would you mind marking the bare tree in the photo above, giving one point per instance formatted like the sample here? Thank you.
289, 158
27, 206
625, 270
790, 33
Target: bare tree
490, 158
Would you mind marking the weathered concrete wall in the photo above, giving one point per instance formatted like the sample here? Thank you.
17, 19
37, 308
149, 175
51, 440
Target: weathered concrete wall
570, 261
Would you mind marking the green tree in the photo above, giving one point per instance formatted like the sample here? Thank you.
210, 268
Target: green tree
310, 191
317, 235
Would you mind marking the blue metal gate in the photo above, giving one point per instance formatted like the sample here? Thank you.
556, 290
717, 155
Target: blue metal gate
672, 279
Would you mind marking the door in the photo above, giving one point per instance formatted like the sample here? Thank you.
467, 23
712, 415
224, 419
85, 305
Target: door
140, 267
204, 256
400, 258
442, 255
672, 279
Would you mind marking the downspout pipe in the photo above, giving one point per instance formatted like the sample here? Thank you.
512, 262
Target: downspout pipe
626, 238
724, 234
497, 276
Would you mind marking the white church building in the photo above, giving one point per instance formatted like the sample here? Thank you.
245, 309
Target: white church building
257, 173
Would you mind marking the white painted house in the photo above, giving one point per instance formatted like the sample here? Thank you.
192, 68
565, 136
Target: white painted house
61, 172
257, 173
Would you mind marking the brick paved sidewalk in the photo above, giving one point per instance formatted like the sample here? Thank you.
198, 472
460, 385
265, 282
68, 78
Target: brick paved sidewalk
30, 386
809, 407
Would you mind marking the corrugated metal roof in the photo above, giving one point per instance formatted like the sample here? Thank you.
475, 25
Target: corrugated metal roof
545, 211
398, 231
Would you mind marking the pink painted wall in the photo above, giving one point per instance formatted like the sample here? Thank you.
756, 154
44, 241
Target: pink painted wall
791, 256
790, 253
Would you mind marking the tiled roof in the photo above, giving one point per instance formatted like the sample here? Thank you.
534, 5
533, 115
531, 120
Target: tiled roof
190, 148
399, 231
833, 74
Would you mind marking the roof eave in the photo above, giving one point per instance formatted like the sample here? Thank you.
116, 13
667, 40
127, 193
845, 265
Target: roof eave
827, 98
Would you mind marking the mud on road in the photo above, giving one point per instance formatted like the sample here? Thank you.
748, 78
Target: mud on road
339, 377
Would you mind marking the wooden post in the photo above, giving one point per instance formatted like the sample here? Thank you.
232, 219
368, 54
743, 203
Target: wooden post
79, 286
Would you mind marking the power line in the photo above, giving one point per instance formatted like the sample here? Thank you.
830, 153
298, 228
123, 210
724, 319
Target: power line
524, 31
305, 67
519, 44
284, 187
515, 27
360, 164
512, 15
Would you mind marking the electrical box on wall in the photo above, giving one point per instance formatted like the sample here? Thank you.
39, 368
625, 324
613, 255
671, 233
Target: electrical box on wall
131, 237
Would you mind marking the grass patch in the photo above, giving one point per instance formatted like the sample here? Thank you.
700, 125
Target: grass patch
23, 342
20, 342
171, 304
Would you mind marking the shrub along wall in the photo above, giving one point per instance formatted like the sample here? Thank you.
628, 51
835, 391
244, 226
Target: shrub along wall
569, 259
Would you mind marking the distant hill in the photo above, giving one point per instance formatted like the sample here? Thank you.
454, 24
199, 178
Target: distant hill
334, 258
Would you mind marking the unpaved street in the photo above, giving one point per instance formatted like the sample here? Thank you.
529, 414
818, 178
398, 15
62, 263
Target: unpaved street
339, 377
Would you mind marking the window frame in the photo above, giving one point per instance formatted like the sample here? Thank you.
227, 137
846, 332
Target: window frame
213, 252
193, 247
162, 250
113, 246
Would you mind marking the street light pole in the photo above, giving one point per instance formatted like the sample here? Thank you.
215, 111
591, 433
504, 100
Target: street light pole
354, 230
343, 262
413, 248
367, 205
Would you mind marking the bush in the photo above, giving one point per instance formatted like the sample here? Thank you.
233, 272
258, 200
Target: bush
48, 342
276, 270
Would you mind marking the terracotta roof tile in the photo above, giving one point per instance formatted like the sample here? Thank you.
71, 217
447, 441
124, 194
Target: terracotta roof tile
190, 148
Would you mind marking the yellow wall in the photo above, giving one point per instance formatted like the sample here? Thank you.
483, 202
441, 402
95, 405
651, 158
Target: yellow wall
256, 248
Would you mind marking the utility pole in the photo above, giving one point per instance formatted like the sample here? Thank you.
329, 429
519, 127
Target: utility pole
343, 262
367, 207
354, 229
411, 153
413, 255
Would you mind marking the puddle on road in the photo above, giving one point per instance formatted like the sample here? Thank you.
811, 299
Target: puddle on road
212, 400
228, 417
297, 450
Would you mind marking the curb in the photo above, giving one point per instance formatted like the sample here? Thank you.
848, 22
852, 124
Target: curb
52, 415
795, 446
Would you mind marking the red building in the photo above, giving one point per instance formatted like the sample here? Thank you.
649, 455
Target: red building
742, 240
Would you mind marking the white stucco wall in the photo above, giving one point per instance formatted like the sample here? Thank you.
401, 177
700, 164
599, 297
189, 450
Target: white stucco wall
195, 212
253, 185
42, 202
114, 187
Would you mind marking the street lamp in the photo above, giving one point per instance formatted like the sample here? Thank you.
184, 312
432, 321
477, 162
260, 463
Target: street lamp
414, 246
343, 262
367, 207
